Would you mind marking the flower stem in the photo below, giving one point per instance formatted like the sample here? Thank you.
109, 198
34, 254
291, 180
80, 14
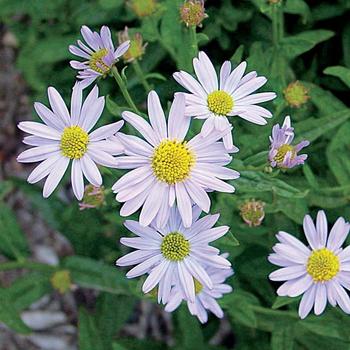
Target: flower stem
124, 89
277, 24
194, 42
141, 75
25, 264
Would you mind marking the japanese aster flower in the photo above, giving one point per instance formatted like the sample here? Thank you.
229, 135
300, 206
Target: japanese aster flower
168, 169
174, 254
99, 54
319, 271
66, 137
205, 298
282, 154
216, 99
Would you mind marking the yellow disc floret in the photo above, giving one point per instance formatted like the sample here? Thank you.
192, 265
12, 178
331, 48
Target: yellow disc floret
220, 102
172, 161
74, 142
323, 265
296, 94
197, 286
175, 246
282, 151
96, 62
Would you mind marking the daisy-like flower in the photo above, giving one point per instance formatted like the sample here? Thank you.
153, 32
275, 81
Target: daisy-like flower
99, 54
65, 137
282, 154
215, 100
205, 298
174, 255
320, 271
167, 168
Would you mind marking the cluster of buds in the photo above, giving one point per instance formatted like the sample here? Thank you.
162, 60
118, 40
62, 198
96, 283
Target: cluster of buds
296, 94
143, 8
192, 12
94, 197
252, 212
136, 48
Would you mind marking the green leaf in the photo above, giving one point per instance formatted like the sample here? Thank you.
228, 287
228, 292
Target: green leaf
298, 7
114, 108
282, 338
254, 182
283, 301
340, 72
89, 336
238, 55
89, 273
190, 335
336, 153
111, 315
313, 128
13, 243
296, 45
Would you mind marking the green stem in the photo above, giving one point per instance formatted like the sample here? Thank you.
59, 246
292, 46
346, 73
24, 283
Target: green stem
194, 42
124, 89
25, 264
141, 76
277, 24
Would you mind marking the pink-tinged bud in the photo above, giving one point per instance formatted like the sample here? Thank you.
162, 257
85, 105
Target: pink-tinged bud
252, 212
192, 12
137, 47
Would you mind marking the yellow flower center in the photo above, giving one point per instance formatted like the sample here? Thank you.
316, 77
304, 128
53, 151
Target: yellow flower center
175, 246
197, 286
282, 151
74, 142
220, 102
96, 62
323, 265
172, 161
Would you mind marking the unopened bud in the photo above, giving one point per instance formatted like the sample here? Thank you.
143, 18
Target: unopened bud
61, 281
94, 197
252, 212
296, 94
192, 12
143, 8
136, 49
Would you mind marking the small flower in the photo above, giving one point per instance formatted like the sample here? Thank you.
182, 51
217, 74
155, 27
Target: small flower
143, 8
320, 272
192, 12
282, 154
65, 138
231, 96
167, 168
252, 212
136, 49
174, 254
296, 94
94, 197
61, 281
99, 53
205, 298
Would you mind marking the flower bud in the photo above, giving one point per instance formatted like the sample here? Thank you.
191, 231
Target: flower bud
192, 12
252, 212
136, 49
296, 94
61, 281
94, 197
143, 8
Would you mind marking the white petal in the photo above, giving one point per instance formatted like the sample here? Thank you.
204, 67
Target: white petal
77, 97
184, 204
39, 153
310, 232
77, 179
338, 234
186, 281
55, 176
307, 302
288, 273
320, 298
156, 116
155, 276
58, 105
91, 171
43, 169
105, 131
178, 123
40, 130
